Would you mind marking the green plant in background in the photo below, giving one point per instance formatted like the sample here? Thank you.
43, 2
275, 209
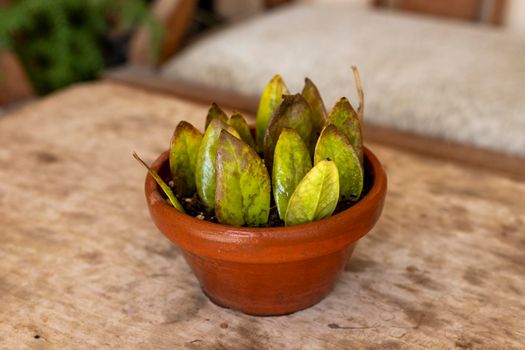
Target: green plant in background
62, 41
315, 160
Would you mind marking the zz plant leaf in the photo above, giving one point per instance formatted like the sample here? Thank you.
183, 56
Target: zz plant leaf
270, 99
313, 97
238, 122
316, 196
294, 113
345, 118
165, 188
215, 112
242, 196
291, 163
206, 157
183, 157
334, 145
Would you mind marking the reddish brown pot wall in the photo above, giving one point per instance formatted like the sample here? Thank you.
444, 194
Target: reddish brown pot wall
269, 271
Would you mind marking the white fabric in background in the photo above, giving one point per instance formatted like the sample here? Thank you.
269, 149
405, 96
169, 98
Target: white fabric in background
436, 77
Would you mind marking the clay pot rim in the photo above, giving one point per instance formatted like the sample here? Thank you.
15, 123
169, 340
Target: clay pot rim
275, 236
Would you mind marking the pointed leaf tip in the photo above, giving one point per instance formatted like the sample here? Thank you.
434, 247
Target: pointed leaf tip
215, 112
291, 163
294, 113
360, 93
334, 145
270, 99
238, 122
313, 97
205, 165
345, 118
165, 188
316, 196
184, 148
242, 196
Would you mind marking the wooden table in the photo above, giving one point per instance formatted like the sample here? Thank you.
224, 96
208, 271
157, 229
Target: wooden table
83, 267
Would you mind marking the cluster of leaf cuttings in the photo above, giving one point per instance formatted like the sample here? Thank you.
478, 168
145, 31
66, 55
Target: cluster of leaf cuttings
315, 158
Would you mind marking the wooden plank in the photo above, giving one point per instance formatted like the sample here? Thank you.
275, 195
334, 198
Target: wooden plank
508, 165
83, 267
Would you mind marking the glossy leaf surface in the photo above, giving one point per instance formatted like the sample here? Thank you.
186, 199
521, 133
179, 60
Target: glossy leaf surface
316, 196
165, 188
206, 157
291, 163
313, 97
238, 122
215, 112
270, 99
184, 148
243, 185
293, 113
334, 145
345, 118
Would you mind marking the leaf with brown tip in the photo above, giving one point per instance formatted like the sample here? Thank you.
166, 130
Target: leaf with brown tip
238, 122
345, 118
270, 99
165, 188
205, 166
360, 93
293, 113
316, 196
215, 112
184, 148
334, 145
291, 163
243, 185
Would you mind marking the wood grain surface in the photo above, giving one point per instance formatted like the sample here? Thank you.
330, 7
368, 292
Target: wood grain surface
83, 267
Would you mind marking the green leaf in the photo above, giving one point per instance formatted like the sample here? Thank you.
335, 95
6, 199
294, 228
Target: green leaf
291, 163
344, 117
270, 99
167, 190
238, 122
215, 112
316, 196
294, 113
206, 157
184, 147
312, 96
243, 185
334, 145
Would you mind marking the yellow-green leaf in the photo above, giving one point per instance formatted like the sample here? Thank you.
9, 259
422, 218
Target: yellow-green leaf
243, 185
334, 145
294, 113
291, 163
270, 99
184, 147
215, 112
313, 97
238, 122
316, 196
345, 118
165, 188
206, 157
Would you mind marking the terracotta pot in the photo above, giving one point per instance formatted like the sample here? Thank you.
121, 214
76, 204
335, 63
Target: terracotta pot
269, 271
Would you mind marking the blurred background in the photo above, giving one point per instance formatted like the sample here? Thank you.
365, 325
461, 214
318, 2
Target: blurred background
448, 69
